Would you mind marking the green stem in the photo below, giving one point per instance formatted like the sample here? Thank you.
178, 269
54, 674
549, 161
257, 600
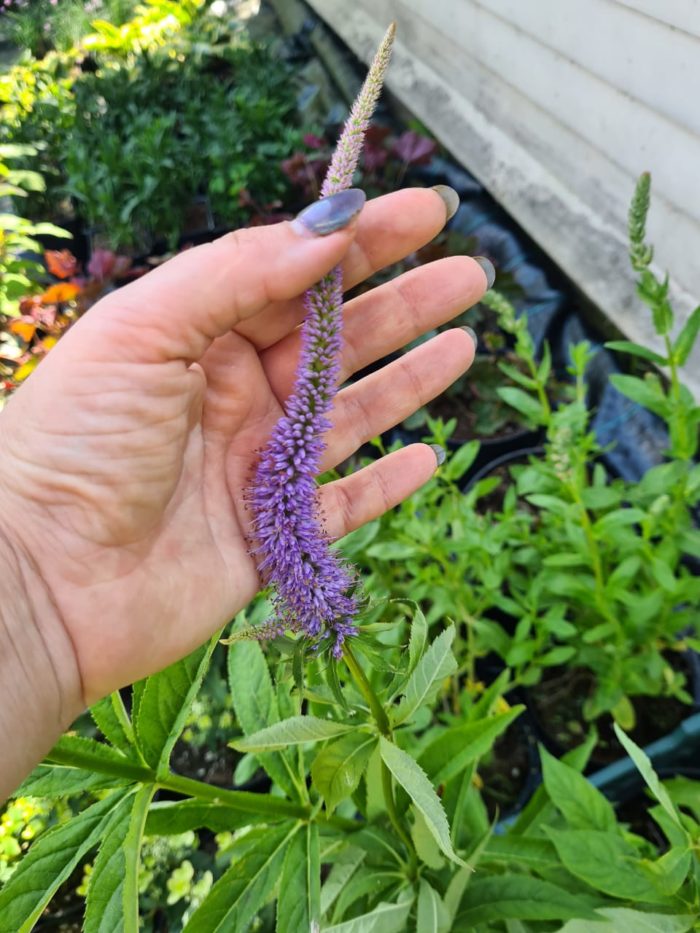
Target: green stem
384, 726
243, 801
393, 813
365, 688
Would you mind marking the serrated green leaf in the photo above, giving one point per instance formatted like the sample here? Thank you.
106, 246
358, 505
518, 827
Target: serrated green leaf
245, 886
165, 704
626, 920
299, 899
76, 751
297, 730
54, 781
50, 861
651, 778
451, 752
255, 705
344, 867
385, 918
415, 782
579, 802
112, 904
418, 638
338, 767
432, 916
437, 663
424, 843
112, 720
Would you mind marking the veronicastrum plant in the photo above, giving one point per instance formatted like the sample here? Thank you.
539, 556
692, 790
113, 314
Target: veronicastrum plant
372, 818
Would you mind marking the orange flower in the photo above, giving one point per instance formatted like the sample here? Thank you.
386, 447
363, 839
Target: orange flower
23, 329
61, 263
63, 291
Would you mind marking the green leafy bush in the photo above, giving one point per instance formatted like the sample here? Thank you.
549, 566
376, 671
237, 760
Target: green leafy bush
374, 813
135, 123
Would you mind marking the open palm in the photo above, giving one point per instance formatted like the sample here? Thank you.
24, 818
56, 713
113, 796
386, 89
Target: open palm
126, 456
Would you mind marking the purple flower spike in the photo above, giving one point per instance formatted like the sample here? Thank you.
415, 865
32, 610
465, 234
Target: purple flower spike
314, 589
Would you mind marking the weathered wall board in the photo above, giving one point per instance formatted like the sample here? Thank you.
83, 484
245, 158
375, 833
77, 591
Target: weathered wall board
557, 107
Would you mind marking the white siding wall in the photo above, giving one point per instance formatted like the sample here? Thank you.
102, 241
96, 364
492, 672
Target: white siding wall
557, 106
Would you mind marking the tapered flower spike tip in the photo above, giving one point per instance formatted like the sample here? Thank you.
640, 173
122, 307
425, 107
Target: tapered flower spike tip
347, 152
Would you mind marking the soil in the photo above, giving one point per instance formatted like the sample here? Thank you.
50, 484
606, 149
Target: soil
556, 704
510, 773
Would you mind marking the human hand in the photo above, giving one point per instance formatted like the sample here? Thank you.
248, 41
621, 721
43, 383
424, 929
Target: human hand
125, 457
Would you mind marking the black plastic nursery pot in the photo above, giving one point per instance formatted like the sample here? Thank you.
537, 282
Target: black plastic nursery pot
673, 754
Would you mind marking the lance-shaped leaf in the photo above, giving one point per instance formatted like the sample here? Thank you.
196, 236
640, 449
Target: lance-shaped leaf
581, 804
338, 767
113, 722
385, 918
245, 886
437, 663
50, 861
165, 702
432, 915
646, 769
416, 784
255, 705
457, 747
113, 892
625, 920
519, 897
297, 730
54, 781
299, 899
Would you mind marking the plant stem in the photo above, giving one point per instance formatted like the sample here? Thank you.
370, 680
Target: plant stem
365, 688
384, 726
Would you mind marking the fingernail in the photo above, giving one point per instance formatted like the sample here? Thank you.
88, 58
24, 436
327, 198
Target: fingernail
489, 269
472, 334
450, 199
439, 453
331, 213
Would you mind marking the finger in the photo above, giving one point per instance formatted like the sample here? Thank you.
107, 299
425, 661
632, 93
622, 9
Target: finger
403, 387
176, 311
354, 500
388, 229
387, 318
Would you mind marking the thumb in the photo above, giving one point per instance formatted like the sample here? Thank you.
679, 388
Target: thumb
201, 294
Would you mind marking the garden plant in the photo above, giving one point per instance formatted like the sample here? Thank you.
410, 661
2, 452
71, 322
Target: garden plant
358, 713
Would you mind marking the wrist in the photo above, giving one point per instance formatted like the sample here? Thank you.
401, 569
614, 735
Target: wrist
40, 691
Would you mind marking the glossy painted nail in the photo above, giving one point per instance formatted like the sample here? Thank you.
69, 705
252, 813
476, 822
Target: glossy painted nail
450, 199
488, 267
439, 453
472, 334
331, 213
